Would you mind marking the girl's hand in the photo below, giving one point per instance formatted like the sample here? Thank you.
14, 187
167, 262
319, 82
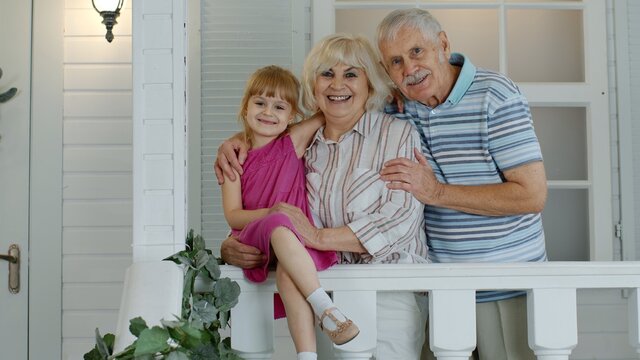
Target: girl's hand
231, 155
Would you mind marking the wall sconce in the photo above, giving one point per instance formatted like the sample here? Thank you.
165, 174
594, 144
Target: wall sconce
109, 10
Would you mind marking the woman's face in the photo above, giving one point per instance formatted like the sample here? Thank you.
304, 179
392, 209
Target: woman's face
341, 93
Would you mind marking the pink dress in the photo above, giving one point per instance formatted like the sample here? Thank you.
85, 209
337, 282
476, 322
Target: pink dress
274, 174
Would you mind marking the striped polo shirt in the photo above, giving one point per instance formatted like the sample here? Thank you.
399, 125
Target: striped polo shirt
482, 129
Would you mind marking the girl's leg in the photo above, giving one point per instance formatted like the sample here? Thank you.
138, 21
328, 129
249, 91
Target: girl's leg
299, 314
296, 262
295, 259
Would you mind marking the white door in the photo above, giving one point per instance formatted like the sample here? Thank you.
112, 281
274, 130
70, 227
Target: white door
15, 62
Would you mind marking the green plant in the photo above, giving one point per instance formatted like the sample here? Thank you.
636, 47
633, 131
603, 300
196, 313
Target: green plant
196, 333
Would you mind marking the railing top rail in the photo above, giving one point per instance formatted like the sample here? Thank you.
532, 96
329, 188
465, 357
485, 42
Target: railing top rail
465, 276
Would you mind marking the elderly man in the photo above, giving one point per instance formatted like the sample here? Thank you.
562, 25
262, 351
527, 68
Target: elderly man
481, 177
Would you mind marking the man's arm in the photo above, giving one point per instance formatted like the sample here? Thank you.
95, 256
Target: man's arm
524, 190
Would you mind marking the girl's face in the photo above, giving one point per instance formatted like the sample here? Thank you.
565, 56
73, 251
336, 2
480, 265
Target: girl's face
267, 117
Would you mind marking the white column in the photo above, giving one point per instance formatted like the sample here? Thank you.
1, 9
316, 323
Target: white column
552, 322
360, 306
252, 322
158, 128
452, 323
634, 324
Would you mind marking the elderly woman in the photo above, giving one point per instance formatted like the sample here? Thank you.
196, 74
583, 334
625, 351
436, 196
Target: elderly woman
354, 212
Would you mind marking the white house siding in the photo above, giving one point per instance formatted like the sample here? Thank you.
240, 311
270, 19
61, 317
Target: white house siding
97, 174
633, 22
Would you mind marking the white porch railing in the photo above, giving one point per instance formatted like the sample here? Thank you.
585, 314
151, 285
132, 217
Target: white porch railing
551, 303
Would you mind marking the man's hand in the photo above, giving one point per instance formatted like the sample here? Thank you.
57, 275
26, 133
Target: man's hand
414, 177
236, 253
396, 98
231, 155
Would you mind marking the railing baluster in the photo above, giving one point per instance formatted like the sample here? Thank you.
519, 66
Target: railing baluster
634, 323
252, 323
452, 325
360, 306
553, 322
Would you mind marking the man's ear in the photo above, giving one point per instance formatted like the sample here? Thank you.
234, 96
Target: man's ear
444, 44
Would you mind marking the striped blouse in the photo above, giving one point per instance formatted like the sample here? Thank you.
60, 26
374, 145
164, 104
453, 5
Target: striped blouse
344, 188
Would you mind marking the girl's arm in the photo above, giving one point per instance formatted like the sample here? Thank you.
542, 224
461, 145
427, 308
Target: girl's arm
302, 132
236, 216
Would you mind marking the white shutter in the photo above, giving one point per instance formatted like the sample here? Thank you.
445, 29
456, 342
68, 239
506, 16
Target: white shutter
236, 38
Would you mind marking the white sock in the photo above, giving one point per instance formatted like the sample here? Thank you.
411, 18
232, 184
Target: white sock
320, 302
307, 356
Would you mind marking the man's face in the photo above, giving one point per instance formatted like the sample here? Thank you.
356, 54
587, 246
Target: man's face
418, 67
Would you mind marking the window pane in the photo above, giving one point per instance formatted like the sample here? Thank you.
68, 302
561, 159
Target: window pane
562, 133
545, 45
471, 32
566, 225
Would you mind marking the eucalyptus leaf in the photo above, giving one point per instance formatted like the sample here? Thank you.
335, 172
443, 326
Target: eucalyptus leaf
204, 311
200, 259
152, 341
213, 268
101, 345
224, 318
198, 243
226, 293
205, 352
94, 354
176, 355
137, 325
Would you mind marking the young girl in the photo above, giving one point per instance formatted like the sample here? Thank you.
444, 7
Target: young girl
274, 173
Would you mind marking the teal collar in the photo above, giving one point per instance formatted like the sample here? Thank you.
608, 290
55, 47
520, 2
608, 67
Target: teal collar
465, 78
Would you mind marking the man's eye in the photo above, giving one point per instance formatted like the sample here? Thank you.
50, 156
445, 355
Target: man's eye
395, 62
416, 51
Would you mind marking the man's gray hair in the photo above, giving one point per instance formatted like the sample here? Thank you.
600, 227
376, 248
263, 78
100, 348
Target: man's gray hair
412, 18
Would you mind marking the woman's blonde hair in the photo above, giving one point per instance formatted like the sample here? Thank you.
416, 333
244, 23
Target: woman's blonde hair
350, 50
271, 81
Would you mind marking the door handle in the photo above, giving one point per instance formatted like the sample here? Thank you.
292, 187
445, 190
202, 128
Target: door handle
13, 257
7, 95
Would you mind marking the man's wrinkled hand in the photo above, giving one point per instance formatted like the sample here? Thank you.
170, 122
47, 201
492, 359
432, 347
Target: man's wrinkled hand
414, 177
244, 256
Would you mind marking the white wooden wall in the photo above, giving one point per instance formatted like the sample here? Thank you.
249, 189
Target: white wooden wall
97, 174
633, 22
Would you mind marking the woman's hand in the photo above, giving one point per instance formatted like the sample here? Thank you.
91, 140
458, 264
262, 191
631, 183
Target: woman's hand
236, 253
231, 155
310, 233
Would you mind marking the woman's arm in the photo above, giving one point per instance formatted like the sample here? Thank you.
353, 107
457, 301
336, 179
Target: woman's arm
336, 239
236, 216
302, 132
